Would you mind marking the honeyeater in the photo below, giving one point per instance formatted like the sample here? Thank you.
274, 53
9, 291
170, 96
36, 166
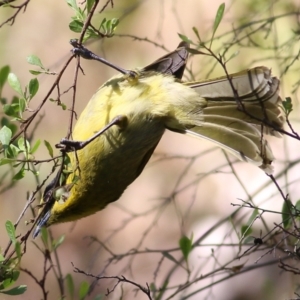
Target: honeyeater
127, 116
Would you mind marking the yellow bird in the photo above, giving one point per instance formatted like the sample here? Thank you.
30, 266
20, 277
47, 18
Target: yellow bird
126, 118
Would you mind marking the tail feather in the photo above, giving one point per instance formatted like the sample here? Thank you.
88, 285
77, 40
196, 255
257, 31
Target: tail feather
232, 123
260, 113
232, 129
253, 85
245, 145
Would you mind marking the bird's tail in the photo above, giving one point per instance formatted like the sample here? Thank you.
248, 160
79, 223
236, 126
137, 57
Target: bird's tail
240, 113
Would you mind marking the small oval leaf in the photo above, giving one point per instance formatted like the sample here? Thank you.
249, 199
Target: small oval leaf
15, 84
19, 290
11, 231
34, 60
219, 17
5, 135
33, 87
83, 289
48, 146
3, 75
186, 246
287, 209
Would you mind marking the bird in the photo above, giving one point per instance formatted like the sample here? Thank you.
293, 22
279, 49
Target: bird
119, 129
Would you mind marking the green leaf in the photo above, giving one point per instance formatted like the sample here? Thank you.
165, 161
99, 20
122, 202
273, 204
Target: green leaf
18, 250
184, 38
5, 135
76, 26
48, 146
22, 104
3, 100
197, 34
33, 72
12, 151
83, 289
245, 230
11, 126
110, 26
152, 287
70, 285
11, 110
15, 84
21, 144
89, 4
35, 173
253, 216
287, 105
11, 231
15, 100
297, 206
162, 290
5, 161
102, 24
24, 146
10, 278
19, 175
114, 23
170, 257
107, 26
248, 240
57, 243
33, 87
186, 246
19, 290
73, 4
287, 209
35, 146
63, 106
218, 19
34, 60
4, 71
45, 236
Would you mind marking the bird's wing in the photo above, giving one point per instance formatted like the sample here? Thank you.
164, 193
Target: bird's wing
172, 63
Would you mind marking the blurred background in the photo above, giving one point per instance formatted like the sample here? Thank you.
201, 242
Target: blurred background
188, 186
